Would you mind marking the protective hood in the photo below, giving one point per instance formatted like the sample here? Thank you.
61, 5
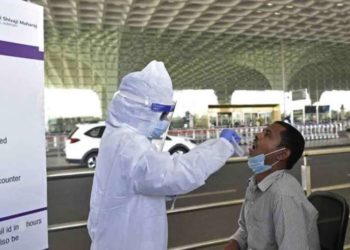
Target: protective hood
152, 84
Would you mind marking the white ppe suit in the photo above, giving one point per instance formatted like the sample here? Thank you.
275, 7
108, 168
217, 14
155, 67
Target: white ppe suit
127, 207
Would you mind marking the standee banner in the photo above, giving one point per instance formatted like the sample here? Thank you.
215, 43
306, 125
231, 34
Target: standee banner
23, 205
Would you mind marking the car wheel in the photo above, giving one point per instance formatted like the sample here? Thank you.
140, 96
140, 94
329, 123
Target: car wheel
178, 149
90, 160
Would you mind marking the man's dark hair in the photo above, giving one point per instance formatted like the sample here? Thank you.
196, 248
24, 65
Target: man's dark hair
292, 139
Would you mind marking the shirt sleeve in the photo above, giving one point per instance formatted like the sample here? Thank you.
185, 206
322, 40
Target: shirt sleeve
241, 234
291, 231
161, 174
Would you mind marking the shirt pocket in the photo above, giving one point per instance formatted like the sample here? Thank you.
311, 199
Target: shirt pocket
261, 212
262, 225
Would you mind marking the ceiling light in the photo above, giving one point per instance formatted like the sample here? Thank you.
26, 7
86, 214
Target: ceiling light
269, 4
340, 4
277, 13
290, 6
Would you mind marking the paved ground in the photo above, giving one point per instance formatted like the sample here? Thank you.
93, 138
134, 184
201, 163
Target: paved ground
68, 200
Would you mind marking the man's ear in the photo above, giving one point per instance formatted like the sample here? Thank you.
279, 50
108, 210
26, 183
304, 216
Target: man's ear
283, 154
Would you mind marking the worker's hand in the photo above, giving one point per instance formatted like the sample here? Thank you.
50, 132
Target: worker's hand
232, 245
230, 135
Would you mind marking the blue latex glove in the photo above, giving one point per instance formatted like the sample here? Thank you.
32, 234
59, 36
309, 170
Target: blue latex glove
230, 135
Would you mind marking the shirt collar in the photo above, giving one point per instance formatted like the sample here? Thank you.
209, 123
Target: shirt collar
269, 180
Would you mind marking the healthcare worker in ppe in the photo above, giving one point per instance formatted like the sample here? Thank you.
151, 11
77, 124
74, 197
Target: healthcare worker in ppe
132, 178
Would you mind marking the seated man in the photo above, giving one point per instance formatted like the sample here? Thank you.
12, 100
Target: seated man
276, 213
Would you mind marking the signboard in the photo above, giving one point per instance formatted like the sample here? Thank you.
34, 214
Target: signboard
23, 209
299, 94
310, 114
323, 109
310, 109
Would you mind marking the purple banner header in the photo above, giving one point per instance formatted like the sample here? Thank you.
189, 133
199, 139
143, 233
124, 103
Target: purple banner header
20, 50
23, 214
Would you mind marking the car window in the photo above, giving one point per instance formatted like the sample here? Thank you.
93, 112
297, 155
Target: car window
95, 132
102, 130
72, 132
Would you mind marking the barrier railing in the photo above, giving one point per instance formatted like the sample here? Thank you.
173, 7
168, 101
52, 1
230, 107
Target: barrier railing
306, 182
310, 132
306, 169
320, 131
55, 142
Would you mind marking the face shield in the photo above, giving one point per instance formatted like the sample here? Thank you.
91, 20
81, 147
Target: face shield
160, 128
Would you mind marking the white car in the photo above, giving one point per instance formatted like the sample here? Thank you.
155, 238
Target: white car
83, 142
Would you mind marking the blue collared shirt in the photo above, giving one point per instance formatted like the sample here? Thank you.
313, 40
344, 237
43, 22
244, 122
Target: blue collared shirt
277, 215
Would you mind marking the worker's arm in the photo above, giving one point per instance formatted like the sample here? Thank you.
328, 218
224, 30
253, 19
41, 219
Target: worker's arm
161, 174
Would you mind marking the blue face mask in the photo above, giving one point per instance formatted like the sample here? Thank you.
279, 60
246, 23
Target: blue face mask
257, 163
159, 129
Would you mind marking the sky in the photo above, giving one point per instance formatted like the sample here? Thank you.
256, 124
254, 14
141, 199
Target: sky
284, 99
85, 102
194, 101
71, 103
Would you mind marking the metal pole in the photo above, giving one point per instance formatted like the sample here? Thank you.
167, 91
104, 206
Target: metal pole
306, 176
283, 78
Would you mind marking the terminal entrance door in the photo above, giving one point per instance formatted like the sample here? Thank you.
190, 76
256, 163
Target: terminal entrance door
264, 118
298, 116
225, 120
242, 115
258, 118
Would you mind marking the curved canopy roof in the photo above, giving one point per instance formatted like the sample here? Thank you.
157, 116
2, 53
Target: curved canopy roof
219, 44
